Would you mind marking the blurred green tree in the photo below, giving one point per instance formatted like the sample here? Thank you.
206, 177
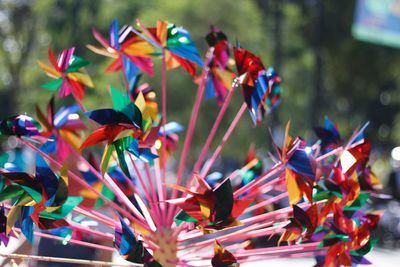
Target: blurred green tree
325, 71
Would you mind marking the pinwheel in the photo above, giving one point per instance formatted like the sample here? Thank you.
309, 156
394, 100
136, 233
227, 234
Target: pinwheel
302, 224
222, 257
178, 46
20, 126
220, 77
299, 168
261, 87
62, 128
130, 51
4, 236
130, 248
171, 130
149, 95
328, 135
256, 167
68, 72
210, 208
348, 240
41, 199
119, 126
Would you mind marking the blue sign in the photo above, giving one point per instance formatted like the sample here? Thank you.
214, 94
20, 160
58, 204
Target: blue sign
377, 21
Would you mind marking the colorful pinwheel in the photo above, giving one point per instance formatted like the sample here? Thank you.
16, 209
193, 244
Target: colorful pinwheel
130, 248
299, 168
20, 126
348, 240
222, 257
119, 127
41, 199
210, 209
302, 224
62, 128
149, 95
328, 135
178, 46
220, 76
172, 139
68, 72
130, 51
261, 88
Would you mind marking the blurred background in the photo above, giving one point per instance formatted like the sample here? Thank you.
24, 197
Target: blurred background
337, 58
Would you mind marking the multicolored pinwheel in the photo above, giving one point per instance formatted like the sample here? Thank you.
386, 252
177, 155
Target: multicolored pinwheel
302, 224
130, 248
222, 257
20, 126
41, 199
178, 45
130, 51
348, 240
261, 87
220, 76
300, 167
119, 127
68, 72
62, 128
210, 209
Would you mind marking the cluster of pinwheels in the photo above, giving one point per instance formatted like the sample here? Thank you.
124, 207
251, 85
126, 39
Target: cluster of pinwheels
326, 184
340, 186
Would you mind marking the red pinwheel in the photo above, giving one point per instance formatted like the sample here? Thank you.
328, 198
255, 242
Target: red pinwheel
222, 257
349, 239
261, 88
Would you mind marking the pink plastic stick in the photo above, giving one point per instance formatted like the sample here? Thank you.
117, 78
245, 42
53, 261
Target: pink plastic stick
154, 192
191, 127
89, 213
157, 171
271, 172
193, 119
291, 256
163, 165
152, 199
277, 214
278, 250
266, 202
213, 131
86, 229
225, 139
240, 234
211, 136
72, 241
